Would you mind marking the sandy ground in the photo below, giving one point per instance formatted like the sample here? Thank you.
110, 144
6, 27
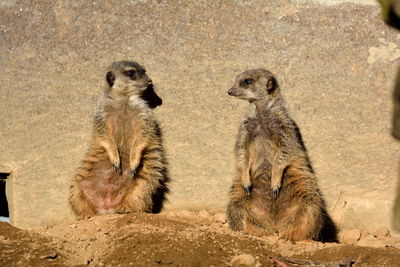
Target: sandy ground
175, 238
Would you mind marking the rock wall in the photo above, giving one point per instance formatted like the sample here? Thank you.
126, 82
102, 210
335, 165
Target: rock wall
335, 63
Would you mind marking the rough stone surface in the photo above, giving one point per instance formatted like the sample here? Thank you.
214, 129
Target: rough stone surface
243, 260
364, 233
335, 63
219, 217
391, 242
382, 231
373, 242
182, 213
204, 214
350, 236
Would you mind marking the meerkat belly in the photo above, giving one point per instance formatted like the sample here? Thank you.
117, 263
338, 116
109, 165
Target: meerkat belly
106, 188
261, 155
105, 194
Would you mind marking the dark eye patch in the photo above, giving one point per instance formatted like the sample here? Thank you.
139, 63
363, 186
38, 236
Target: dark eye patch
246, 82
131, 74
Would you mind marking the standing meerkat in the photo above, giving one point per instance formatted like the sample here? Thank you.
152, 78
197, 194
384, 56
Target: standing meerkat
275, 190
124, 169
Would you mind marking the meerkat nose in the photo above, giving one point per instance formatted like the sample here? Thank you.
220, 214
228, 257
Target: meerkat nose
230, 91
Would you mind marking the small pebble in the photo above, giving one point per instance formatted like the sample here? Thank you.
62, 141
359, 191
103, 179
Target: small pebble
219, 217
169, 213
383, 231
183, 213
272, 238
204, 214
243, 260
350, 236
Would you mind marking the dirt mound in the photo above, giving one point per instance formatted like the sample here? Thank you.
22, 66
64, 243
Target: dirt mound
22, 248
179, 238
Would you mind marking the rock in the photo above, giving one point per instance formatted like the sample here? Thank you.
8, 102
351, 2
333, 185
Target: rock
364, 233
272, 238
169, 213
378, 243
397, 243
243, 260
350, 236
204, 214
382, 231
365, 240
372, 241
391, 242
183, 213
219, 217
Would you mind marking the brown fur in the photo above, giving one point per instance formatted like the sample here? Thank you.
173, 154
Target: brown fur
275, 189
124, 169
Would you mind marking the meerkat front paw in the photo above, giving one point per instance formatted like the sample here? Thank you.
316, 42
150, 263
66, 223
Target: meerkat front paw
133, 168
133, 171
246, 182
247, 189
275, 188
117, 166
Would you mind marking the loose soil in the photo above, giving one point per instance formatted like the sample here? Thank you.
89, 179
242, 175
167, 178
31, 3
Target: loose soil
175, 238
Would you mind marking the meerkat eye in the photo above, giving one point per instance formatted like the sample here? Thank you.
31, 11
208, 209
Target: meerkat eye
246, 82
142, 72
131, 74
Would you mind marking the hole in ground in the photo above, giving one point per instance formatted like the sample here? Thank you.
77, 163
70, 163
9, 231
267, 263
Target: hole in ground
4, 211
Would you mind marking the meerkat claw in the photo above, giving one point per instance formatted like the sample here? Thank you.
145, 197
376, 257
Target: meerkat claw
117, 167
275, 193
133, 172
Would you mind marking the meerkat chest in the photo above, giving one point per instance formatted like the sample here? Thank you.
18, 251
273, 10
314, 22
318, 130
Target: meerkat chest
261, 144
126, 122
262, 150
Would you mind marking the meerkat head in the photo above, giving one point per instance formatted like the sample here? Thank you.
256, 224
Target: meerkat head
255, 85
126, 78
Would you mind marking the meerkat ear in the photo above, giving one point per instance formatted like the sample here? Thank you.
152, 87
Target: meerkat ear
271, 85
110, 78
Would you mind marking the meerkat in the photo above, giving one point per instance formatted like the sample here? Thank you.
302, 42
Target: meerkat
125, 169
275, 189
